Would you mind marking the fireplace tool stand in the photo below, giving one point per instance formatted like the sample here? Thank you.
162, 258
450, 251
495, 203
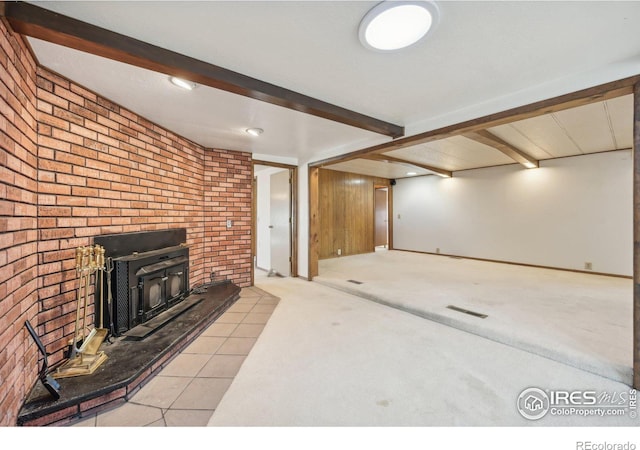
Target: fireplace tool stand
84, 357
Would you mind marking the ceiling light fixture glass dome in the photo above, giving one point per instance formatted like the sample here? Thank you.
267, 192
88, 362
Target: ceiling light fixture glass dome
254, 131
393, 25
184, 84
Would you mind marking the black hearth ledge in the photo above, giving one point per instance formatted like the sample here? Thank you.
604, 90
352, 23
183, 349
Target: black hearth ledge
129, 365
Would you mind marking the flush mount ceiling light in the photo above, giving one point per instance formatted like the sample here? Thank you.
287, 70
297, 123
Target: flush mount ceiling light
184, 84
392, 25
411, 174
254, 131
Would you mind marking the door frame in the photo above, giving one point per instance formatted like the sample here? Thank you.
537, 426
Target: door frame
293, 197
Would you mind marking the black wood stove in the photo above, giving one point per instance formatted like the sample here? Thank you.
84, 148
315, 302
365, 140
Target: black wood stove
150, 275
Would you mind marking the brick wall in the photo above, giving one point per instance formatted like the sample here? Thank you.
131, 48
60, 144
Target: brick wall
103, 170
18, 223
227, 196
97, 169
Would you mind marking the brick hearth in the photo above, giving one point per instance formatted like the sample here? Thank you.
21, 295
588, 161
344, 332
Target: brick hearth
130, 364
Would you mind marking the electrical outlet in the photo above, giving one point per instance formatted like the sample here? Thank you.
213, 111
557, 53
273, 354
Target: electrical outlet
229, 223
588, 266
438, 250
339, 251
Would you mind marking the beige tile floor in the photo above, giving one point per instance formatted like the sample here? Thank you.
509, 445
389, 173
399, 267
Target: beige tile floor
187, 391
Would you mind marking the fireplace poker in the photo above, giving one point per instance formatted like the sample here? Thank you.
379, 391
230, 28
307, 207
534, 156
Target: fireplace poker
100, 263
109, 268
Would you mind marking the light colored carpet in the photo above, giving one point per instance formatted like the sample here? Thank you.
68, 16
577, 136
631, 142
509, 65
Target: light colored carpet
580, 319
327, 358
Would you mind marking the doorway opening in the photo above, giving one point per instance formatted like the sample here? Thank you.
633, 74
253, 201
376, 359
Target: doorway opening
274, 220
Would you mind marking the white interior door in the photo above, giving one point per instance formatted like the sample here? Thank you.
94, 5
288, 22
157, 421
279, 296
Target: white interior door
280, 225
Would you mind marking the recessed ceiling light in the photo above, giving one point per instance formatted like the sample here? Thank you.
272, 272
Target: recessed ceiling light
184, 84
392, 25
411, 174
254, 131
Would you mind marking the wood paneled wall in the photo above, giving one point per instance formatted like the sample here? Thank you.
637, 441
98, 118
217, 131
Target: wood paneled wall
346, 210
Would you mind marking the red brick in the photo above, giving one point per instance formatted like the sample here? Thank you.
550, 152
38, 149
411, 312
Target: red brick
71, 158
68, 137
83, 151
108, 104
100, 184
53, 99
82, 91
73, 180
56, 79
83, 131
54, 211
54, 143
64, 200
84, 191
92, 106
64, 222
69, 116
68, 95
55, 166
80, 113
51, 188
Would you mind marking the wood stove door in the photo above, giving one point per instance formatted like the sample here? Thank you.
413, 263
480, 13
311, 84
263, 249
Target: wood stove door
176, 283
154, 299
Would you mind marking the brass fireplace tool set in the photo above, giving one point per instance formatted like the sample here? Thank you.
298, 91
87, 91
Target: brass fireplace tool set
84, 354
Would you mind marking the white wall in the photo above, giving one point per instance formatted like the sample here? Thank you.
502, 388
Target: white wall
563, 214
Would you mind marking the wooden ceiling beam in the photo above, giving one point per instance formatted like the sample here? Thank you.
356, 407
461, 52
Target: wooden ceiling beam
392, 159
583, 97
491, 140
33, 21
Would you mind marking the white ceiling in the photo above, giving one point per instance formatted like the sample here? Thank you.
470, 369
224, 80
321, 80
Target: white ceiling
483, 57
